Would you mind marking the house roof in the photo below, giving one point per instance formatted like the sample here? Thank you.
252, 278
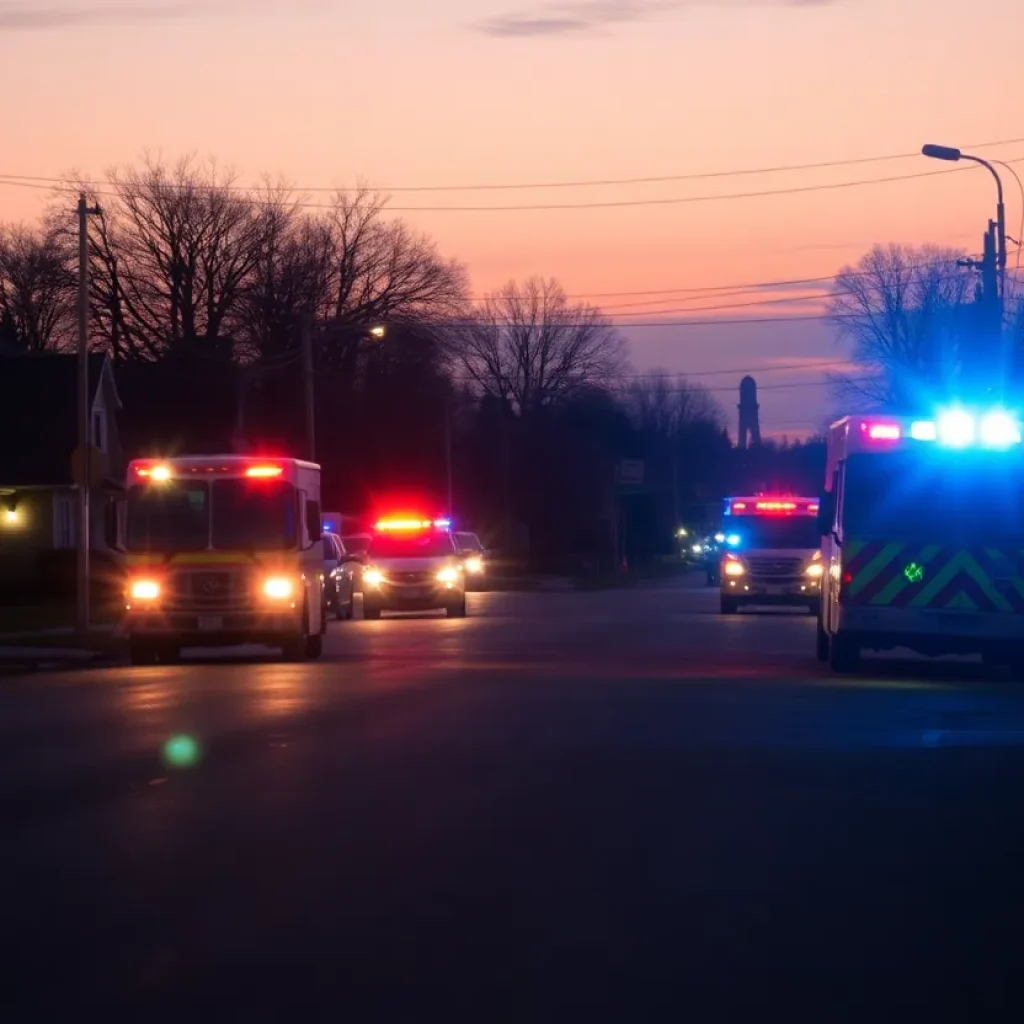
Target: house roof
38, 416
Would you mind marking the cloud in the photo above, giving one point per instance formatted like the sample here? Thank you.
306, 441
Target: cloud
590, 16
27, 17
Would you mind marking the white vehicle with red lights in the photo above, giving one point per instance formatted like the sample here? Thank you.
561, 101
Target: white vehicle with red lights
413, 564
223, 550
771, 553
922, 526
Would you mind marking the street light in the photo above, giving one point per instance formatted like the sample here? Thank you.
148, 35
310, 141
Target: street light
953, 155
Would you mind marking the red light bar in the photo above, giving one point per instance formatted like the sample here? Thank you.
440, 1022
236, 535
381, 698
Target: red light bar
776, 506
403, 524
263, 471
884, 432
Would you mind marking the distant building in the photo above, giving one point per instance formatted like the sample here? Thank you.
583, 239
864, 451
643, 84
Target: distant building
38, 498
749, 426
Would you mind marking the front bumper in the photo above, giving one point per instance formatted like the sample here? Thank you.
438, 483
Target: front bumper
750, 590
414, 598
221, 628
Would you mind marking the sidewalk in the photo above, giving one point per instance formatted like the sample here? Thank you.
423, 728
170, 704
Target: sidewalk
57, 647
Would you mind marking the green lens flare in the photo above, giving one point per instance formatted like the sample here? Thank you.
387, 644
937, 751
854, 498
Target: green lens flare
914, 572
181, 752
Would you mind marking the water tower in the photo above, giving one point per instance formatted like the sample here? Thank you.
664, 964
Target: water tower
750, 429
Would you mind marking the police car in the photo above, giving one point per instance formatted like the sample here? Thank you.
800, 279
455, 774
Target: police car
770, 553
413, 564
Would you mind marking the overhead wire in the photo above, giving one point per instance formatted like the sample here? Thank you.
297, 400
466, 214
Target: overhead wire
540, 185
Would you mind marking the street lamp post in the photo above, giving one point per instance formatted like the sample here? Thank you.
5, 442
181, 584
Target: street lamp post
993, 262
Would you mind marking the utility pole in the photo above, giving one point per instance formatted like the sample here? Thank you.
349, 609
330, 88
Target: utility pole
309, 392
448, 449
84, 496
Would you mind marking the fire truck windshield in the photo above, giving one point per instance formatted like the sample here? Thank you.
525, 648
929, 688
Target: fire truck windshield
974, 499
773, 531
168, 517
246, 515
253, 515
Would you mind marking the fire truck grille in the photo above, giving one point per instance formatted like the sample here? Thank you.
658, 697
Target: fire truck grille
208, 589
771, 569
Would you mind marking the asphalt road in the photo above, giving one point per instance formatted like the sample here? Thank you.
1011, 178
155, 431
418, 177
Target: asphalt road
587, 806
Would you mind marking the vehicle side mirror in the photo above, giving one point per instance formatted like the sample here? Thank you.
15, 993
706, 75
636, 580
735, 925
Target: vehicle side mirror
826, 515
111, 526
313, 525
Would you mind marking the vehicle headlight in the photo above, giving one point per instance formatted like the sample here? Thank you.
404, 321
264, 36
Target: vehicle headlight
733, 568
374, 577
144, 590
448, 575
474, 564
278, 587
815, 570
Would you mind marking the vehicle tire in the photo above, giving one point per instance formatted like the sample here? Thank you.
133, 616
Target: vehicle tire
457, 611
340, 613
350, 608
315, 646
729, 606
843, 655
141, 652
370, 611
295, 647
823, 643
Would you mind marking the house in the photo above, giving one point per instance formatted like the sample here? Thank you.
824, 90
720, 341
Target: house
38, 497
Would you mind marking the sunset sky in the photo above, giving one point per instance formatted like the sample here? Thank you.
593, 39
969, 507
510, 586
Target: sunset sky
401, 93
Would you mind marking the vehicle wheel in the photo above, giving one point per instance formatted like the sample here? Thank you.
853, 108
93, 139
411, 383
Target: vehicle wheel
729, 606
823, 641
340, 613
370, 611
843, 655
141, 652
315, 646
457, 611
350, 609
295, 647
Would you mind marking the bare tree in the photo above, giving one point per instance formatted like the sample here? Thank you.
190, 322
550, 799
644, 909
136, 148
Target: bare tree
906, 312
171, 255
530, 347
37, 289
665, 406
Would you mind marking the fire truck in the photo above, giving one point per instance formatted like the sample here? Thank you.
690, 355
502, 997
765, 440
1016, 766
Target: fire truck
923, 537
222, 550
770, 553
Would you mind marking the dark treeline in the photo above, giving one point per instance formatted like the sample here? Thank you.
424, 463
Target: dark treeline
202, 293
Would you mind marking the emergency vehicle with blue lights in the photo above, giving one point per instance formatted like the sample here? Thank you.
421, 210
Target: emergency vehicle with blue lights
770, 553
223, 550
922, 525
413, 564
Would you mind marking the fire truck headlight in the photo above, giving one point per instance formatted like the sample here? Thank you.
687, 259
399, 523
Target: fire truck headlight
732, 568
998, 430
372, 577
278, 587
815, 570
144, 590
956, 429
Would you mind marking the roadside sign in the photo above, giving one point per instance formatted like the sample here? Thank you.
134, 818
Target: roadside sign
95, 466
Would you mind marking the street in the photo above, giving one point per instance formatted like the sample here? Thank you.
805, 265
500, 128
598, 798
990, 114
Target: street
612, 805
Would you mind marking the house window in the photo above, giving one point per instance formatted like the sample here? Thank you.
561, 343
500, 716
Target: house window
99, 431
65, 509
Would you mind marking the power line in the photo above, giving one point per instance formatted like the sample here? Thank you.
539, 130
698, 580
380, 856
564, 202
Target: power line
610, 204
585, 183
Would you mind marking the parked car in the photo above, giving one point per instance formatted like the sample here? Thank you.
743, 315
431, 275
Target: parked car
356, 545
339, 585
472, 554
